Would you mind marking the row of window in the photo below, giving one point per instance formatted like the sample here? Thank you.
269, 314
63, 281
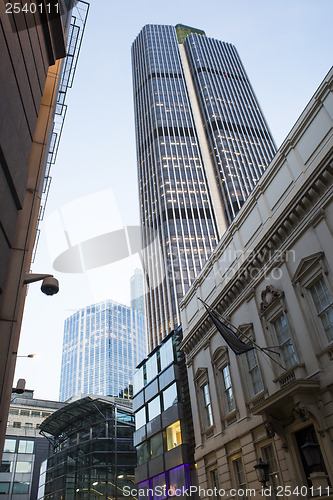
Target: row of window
160, 443
165, 485
21, 467
24, 446
19, 487
160, 403
26, 425
28, 413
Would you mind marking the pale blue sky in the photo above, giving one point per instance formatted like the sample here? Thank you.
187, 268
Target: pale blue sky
286, 48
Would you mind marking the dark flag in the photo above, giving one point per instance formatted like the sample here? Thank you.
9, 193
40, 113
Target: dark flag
235, 344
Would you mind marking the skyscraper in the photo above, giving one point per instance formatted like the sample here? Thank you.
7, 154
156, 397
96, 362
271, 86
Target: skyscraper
136, 284
103, 343
202, 144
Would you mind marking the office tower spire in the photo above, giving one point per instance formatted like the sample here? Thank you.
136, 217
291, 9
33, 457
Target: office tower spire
202, 144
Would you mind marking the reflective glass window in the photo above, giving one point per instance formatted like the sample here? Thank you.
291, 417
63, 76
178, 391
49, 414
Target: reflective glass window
177, 479
154, 408
138, 381
160, 482
170, 396
284, 340
21, 487
10, 445
6, 466
174, 435
23, 467
26, 446
166, 354
140, 418
4, 488
142, 453
151, 368
323, 302
156, 445
143, 490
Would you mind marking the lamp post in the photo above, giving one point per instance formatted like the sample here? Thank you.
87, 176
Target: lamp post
262, 470
312, 456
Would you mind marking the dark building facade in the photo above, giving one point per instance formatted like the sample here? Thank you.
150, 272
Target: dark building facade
93, 453
164, 432
202, 145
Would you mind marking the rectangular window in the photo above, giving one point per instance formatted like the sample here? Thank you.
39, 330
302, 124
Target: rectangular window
26, 446
323, 302
156, 445
151, 368
228, 392
269, 456
10, 445
239, 475
166, 354
23, 467
26, 413
6, 466
174, 435
142, 454
28, 425
4, 488
17, 425
21, 487
159, 482
207, 406
170, 396
284, 340
254, 372
140, 418
143, 490
177, 480
154, 408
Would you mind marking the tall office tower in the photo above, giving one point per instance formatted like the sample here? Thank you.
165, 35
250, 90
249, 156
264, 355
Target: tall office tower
136, 284
202, 144
103, 343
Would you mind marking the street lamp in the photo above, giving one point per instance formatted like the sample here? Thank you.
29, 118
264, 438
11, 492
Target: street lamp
312, 455
261, 469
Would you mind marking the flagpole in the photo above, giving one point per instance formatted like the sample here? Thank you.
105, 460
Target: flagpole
262, 349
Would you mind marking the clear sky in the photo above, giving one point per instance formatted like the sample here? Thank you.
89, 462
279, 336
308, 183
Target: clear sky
286, 48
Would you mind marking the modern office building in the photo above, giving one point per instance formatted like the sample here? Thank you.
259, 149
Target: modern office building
163, 437
137, 293
202, 145
103, 343
24, 449
38, 60
93, 455
271, 276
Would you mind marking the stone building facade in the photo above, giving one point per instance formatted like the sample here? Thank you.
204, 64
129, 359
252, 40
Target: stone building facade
271, 277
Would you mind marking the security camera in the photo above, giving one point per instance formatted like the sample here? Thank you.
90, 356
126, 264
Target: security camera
50, 286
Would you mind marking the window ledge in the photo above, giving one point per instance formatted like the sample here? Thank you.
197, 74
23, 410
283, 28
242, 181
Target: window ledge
327, 350
209, 431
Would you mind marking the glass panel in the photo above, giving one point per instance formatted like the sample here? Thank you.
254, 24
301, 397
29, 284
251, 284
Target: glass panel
161, 491
166, 354
239, 474
324, 305
254, 372
4, 488
23, 467
9, 446
142, 453
207, 406
174, 435
229, 396
177, 478
154, 408
156, 445
140, 418
6, 466
170, 396
143, 490
269, 457
138, 381
151, 367
26, 446
284, 340
21, 487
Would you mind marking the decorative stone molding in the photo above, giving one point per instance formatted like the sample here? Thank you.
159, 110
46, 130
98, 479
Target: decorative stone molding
273, 427
266, 302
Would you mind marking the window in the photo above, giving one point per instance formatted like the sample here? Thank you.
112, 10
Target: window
156, 445
214, 480
268, 456
6, 466
254, 372
21, 487
28, 425
170, 396
207, 406
138, 382
26, 446
284, 340
17, 424
142, 453
140, 418
166, 354
323, 303
173, 435
35, 413
177, 480
228, 392
154, 408
151, 367
239, 476
143, 490
10, 445
4, 488
26, 413
23, 467
13, 411
159, 482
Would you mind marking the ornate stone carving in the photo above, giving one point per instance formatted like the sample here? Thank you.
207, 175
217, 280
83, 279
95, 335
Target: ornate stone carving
268, 296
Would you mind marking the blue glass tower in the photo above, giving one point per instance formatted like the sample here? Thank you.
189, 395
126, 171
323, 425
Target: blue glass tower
102, 345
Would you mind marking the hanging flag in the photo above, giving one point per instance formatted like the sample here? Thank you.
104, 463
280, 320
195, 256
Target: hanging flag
235, 344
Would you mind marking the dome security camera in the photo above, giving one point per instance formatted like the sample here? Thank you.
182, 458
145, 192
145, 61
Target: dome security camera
50, 286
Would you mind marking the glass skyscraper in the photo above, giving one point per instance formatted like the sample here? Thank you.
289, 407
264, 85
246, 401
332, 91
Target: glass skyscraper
103, 343
202, 145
